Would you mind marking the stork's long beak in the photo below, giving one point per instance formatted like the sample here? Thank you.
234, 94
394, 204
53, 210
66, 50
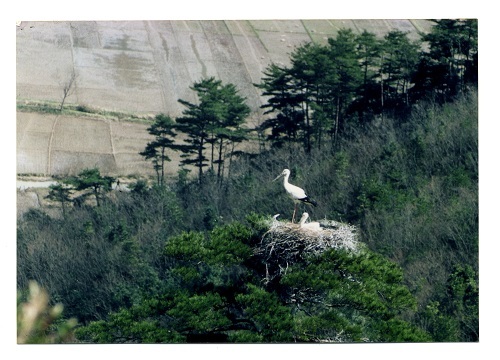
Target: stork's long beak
277, 177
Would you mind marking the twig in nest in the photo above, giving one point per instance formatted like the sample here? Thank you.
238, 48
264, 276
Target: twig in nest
286, 243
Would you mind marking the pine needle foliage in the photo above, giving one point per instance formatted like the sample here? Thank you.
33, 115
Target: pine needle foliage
220, 291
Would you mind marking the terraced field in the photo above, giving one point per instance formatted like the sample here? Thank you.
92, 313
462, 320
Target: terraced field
64, 145
143, 68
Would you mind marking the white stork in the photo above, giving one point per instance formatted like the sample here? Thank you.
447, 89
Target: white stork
297, 194
314, 225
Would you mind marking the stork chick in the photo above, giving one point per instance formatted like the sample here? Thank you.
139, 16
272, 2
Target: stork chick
309, 226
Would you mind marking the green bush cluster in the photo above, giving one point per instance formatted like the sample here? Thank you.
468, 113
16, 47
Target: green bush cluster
215, 292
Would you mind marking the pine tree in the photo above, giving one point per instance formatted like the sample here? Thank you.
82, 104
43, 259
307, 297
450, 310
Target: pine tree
216, 120
400, 59
91, 179
162, 130
314, 76
345, 62
300, 96
452, 59
61, 193
230, 131
285, 125
217, 293
369, 49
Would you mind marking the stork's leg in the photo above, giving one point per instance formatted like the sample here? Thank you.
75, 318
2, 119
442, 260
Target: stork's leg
294, 211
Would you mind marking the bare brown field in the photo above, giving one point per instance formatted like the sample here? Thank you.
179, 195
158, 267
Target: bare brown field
144, 67
65, 145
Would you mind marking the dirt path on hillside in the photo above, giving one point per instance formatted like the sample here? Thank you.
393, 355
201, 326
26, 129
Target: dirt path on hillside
113, 152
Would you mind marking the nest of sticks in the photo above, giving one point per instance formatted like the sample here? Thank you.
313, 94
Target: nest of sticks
285, 243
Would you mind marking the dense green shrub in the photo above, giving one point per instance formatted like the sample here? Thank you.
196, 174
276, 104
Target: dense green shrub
216, 293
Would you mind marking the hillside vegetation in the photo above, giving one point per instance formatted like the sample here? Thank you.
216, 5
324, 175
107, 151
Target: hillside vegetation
391, 154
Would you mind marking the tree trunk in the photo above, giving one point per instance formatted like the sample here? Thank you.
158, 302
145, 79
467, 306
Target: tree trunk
162, 166
96, 194
157, 175
68, 89
337, 119
212, 142
382, 96
219, 165
200, 161
230, 161
308, 129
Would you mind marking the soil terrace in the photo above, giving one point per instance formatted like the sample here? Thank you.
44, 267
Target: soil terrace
143, 68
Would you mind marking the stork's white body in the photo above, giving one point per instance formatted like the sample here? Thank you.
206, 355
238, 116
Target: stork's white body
310, 225
298, 195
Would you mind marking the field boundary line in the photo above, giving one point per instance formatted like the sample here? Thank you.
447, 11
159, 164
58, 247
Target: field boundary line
159, 62
252, 51
110, 123
49, 150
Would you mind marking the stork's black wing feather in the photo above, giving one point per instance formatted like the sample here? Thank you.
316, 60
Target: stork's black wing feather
309, 201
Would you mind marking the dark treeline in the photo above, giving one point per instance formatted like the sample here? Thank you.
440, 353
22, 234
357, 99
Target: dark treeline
357, 78
382, 133
349, 82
